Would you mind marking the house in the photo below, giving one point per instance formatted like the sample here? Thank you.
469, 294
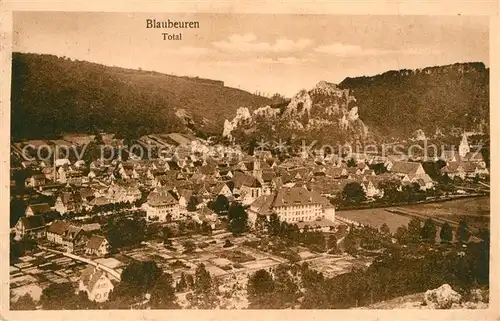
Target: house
162, 206
56, 231
248, 185
184, 196
205, 214
31, 227
406, 168
336, 172
68, 201
37, 209
66, 235
36, 180
95, 283
222, 189
475, 157
371, 190
411, 172
464, 170
97, 245
292, 205
121, 191
453, 169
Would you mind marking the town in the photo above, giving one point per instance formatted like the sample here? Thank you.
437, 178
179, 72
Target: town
207, 225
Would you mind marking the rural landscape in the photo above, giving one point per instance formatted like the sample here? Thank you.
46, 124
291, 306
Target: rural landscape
142, 189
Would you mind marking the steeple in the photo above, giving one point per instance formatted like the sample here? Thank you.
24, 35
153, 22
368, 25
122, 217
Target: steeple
464, 147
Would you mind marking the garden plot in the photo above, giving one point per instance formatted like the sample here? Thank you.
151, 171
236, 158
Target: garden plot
22, 280
260, 264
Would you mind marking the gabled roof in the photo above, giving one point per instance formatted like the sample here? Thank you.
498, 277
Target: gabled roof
95, 242
89, 277
452, 167
58, 227
33, 222
241, 179
161, 198
294, 196
40, 208
405, 167
267, 176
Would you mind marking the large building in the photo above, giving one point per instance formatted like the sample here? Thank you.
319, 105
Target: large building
162, 206
293, 205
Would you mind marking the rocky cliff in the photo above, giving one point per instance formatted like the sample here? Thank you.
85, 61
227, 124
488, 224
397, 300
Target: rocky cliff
324, 108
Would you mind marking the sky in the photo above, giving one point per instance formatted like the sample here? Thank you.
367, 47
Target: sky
258, 52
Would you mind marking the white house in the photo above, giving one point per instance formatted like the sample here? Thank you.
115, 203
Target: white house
95, 283
162, 206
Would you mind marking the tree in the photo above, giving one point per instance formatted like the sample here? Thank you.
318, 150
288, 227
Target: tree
238, 219
351, 243
163, 293
414, 228
24, 302
140, 276
402, 235
125, 232
274, 224
17, 210
189, 246
353, 193
384, 229
181, 284
429, 230
227, 243
204, 294
332, 244
167, 234
191, 205
285, 289
190, 281
206, 228
260, 223
390, 189
462, 233
220, 205
61, 296
98, 140
446, 233
260, 288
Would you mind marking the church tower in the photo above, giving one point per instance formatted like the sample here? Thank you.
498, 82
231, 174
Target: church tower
464, 147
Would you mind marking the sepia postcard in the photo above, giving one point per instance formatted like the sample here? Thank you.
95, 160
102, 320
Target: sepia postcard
244, 161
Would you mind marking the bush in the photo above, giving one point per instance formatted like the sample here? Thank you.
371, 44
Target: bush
203, 245
227, 243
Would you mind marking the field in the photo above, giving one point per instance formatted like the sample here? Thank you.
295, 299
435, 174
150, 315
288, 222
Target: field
465, 207
475, 211
375, 217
